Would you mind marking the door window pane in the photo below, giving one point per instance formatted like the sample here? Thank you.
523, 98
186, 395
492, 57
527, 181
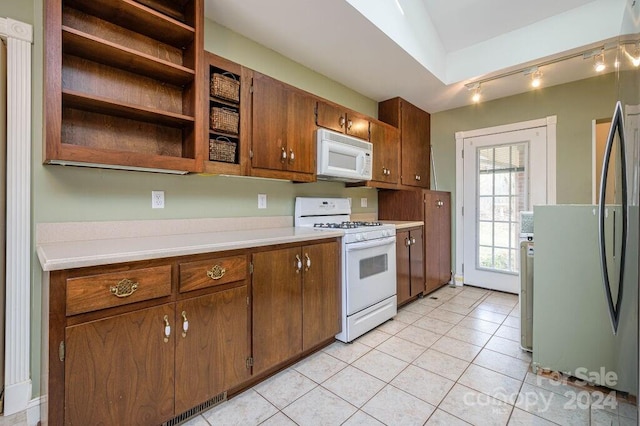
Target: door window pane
502, 194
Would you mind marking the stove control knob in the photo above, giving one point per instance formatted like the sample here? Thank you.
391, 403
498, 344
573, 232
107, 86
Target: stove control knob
359, 237
385, 233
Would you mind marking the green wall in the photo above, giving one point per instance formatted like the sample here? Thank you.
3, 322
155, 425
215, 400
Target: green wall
61, 194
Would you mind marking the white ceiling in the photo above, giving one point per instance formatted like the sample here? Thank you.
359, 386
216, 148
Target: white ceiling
427, 53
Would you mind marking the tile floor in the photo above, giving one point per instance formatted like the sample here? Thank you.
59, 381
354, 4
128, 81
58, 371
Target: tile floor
452, 358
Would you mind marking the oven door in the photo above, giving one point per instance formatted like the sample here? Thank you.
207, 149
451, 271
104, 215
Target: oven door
370, 272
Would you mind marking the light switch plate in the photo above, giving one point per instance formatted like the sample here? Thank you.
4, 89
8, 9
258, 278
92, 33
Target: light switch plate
262, 201
363, 202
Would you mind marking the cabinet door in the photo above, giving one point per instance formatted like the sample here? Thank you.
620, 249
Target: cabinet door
417, 262
277, 307
357, 126
444, 224
269, 143
385, 140
100, 357
301, 143
437, 234
415, 127
330, 117
403, 266
211, 354
321, 302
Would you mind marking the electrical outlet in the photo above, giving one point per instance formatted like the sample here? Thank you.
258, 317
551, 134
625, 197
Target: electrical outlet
363, 202
262, 201
157, 199
350, 203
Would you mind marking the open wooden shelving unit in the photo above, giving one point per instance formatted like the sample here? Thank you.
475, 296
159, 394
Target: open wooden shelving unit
123, 87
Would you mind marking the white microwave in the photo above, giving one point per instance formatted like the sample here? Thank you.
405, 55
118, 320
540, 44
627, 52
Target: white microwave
343, 158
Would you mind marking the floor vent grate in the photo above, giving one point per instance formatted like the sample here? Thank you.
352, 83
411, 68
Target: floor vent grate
181, 418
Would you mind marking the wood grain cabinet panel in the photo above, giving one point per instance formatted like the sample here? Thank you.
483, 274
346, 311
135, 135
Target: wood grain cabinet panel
212, 272
339, 119
415, 137
386, 153
409, 264
120, 370
277, 308
100, 291
434, 209
283, 144
296, 302
212, 345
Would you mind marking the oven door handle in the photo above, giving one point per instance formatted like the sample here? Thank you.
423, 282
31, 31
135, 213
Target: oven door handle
370, 244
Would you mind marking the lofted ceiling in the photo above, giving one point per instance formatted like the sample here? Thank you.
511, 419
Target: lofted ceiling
427, 50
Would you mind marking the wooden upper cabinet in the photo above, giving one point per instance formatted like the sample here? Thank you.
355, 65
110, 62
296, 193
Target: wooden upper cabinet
415, 136
227, 112
341, 120
386, 152
283, 144
123, 84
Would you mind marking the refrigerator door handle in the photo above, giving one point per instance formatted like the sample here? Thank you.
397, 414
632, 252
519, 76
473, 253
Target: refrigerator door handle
617, 125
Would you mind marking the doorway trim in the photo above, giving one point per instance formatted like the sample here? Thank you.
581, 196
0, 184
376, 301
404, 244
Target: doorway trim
17, 378
550, 123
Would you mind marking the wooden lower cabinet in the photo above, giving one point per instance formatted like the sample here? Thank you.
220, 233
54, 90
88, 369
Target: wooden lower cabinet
119, 370
213, 348
434, 209
409, 264
189, 334
296, 302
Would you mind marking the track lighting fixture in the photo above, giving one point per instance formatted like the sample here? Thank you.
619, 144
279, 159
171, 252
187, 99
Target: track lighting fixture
598, 62
475, 88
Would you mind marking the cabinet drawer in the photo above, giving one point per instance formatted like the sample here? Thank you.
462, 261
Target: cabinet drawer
94, 292
212, 272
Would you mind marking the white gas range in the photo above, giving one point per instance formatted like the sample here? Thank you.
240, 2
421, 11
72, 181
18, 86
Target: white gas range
368, 263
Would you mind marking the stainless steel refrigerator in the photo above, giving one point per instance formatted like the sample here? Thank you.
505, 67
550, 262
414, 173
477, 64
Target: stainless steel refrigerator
585, 309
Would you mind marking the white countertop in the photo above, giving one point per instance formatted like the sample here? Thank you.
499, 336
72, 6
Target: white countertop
403, 224
77, 254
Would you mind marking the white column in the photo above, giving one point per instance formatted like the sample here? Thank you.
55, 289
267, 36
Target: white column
17, 386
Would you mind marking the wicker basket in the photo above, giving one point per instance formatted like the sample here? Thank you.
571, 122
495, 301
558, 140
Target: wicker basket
222, 149
225, 86
225, 120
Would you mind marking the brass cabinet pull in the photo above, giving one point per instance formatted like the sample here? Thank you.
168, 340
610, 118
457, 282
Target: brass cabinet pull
407, 242
185, 324
167, 329
342, 121
418, 178
308, 262
298, 264
292, 156
124, 288
349, 124
216, 272
413, 240
283, 155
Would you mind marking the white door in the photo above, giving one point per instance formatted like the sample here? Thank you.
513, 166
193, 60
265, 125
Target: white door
504, 174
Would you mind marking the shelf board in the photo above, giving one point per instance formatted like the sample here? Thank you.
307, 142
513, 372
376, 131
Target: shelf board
231, 104
226, 135
139, 18
105, 52
82, 101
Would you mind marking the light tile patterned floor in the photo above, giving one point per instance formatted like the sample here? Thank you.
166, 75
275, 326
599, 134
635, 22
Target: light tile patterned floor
452, 358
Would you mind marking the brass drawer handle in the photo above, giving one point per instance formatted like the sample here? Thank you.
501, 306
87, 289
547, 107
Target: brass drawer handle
216, 272
124, 288
308, 262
